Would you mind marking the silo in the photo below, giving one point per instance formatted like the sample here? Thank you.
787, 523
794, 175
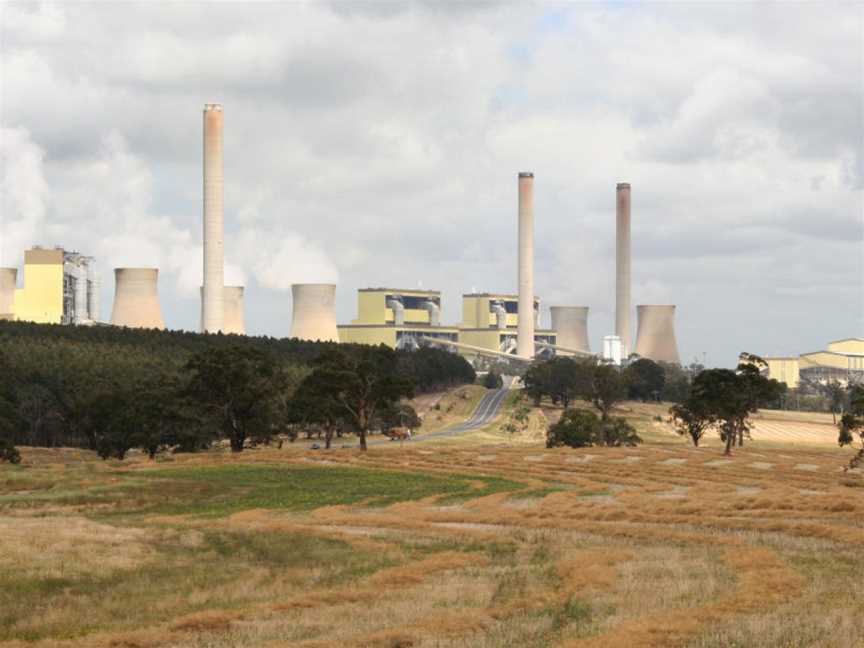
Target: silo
570, 324
655, 337
8, 277
93, 286
525, 322
213, 299
314, 312
622, 265
136, 298
235, 321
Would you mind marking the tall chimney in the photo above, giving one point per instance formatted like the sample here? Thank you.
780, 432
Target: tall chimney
622, 266
213, 295
525, 326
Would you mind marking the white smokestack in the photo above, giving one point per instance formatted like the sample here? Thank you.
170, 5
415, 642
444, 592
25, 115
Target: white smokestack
136, 298
213, 295
525, 327
622, 266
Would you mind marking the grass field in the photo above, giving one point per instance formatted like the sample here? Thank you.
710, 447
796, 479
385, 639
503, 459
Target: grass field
488, 542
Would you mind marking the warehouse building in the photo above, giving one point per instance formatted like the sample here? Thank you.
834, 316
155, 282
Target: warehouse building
842, 361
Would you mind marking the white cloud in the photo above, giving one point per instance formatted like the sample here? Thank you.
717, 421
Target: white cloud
386, 141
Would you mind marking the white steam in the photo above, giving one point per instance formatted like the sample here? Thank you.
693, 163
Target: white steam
102, 206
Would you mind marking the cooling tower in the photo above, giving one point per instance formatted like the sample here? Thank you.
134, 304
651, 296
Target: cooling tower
525, 324
235, 322
136, 298
213, 299
235, 319
314, 312
570, 324
622, 266
655, 336
8, 277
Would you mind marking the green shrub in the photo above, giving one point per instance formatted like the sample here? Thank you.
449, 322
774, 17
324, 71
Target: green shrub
582, 428
8, 452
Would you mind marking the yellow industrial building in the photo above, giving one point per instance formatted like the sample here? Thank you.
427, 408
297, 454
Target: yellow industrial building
842, 360
41, 298
397, 318
402, 318
58, 287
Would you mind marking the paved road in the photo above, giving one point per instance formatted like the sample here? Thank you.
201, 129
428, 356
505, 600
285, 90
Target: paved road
487, 409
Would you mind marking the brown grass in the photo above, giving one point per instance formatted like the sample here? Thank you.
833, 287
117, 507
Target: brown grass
660, 545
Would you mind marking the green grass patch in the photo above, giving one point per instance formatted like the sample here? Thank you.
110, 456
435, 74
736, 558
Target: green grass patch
222, 490
535, 493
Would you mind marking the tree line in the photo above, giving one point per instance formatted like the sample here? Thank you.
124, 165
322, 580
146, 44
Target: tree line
111, 389
721, 399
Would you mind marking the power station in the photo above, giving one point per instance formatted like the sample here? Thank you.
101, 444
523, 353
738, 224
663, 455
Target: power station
63, 288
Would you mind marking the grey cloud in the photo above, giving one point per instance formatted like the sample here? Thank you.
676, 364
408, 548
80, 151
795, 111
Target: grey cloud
386, 137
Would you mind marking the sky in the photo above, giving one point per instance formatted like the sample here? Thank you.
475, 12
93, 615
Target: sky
378, 144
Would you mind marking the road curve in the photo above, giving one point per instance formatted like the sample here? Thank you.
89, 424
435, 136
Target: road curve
487, 409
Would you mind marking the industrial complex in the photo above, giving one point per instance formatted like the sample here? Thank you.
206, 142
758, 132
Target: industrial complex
842, 361
62, 287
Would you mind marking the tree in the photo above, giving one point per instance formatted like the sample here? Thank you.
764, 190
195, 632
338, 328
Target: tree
852, 424
517, 420
689, 419
395, 415
363, 383
568, 379
239, 387
576, 429
314, 403
607, 388
725, 398
676, 385
581, 428
836, 395
645, 379
536, 381
493, 380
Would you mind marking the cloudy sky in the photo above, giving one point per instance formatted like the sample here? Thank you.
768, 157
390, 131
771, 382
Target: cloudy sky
377, 144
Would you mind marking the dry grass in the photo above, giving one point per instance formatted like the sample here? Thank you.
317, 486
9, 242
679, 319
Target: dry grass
661, 545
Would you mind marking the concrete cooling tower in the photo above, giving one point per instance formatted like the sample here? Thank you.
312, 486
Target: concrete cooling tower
136, 298
314, 312
655, 337
525, 321
235, 322
235, 319
570, 324
8, 277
